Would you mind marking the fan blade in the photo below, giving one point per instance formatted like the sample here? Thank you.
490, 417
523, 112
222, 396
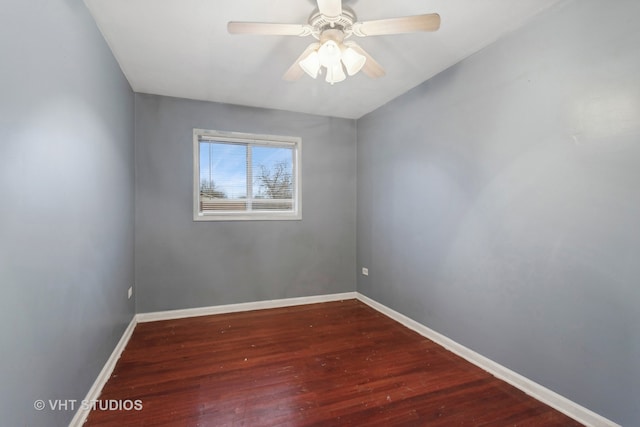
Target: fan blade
408, 24
330, 8
295, 71
371, 68
266, 28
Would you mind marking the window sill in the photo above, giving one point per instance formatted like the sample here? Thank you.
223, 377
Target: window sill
247, 217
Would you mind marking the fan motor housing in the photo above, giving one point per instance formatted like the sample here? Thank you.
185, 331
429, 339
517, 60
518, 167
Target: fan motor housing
322, 23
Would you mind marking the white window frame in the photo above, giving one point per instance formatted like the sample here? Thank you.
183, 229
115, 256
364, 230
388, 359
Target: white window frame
247, 138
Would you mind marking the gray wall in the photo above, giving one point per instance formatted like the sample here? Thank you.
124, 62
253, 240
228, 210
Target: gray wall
182, 264
499, 203
66, 206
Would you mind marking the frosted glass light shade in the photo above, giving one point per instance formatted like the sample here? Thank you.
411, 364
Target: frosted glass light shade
352, 60
311, 64
335, 74
329, 54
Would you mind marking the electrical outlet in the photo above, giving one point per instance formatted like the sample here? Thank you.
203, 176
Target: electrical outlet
365, 271
130, 292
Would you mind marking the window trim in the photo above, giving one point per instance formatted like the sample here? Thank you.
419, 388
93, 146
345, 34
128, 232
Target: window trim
247, 138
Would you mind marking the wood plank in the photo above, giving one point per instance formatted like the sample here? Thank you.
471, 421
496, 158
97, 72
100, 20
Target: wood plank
336, 363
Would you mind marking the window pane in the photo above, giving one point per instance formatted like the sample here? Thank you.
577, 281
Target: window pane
223, 176
273, 178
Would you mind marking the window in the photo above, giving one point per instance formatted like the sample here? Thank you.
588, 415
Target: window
245, 177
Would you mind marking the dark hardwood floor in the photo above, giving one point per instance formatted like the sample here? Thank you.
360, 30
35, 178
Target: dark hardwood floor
338, 363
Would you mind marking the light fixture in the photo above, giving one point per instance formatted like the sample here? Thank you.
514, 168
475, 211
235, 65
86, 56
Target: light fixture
335, 74
329, 54
352, 60
332, 55
311, 64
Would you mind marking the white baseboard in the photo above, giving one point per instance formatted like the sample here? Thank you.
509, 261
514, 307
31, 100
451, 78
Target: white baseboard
245, 306
104, 375
539, 392
533, 389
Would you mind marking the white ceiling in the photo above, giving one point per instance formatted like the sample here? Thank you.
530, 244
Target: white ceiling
181, 48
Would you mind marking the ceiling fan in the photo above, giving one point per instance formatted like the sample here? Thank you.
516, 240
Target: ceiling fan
332, 24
